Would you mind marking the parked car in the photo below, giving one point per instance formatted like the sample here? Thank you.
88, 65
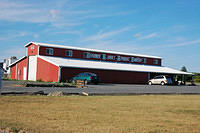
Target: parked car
89, 77
161, 79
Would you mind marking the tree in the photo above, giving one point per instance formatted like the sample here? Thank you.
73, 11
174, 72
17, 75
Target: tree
183, 68
187, 78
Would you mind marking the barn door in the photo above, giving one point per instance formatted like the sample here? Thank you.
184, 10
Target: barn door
32, 69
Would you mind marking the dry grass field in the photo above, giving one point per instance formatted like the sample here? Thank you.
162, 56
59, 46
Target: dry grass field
102, 114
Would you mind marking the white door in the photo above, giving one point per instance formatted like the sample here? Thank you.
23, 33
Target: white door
32, 68
24, 73
156, 80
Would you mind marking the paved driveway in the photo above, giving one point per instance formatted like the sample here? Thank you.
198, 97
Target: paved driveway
104, 89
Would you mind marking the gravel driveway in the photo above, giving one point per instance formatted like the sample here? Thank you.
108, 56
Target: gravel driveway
103, 89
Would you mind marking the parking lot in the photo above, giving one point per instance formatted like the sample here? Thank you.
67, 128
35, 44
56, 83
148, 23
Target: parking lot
10, 87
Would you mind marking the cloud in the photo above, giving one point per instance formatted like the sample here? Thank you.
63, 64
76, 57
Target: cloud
74, 32
18, 11
105, 35
137, 35
187, 43
13, 51
57, 13
35, 36
53, 13
102, 15
149, 36
11, 36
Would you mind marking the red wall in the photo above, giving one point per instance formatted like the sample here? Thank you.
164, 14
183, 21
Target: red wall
32, 49
79, 54
13, 71
20, 66
46, 71
107, 76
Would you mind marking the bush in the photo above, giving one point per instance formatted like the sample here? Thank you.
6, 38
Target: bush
39, 80
197, 79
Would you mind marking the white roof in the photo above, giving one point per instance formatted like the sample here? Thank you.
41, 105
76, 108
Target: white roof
78, 63
92, 50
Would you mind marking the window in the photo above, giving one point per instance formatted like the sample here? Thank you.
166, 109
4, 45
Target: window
155, 61
158, 77
103, 56
49, 51
69, 53
32, 47
132, 59
145, 60
118, 58
86, 55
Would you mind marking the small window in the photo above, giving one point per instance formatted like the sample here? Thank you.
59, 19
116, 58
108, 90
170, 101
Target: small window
118, 58
103, 56
158, 77
132, 59
155, 61
69, 53
32, 47
49, 51
86, 55
145, 60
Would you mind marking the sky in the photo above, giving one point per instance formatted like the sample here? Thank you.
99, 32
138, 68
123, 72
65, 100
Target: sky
166, 28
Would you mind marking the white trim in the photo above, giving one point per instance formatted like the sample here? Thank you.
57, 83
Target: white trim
16, 72
92, 50
24, 73
38, 50
17, 61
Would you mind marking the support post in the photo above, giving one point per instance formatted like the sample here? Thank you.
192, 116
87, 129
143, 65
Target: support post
59, 74
192, 80
149, 76
184, 78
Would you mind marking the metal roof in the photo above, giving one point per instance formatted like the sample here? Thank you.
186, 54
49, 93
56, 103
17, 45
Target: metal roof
78, 63
87, 49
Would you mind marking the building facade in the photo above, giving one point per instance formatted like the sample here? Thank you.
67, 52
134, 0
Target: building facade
58, 63
6, 64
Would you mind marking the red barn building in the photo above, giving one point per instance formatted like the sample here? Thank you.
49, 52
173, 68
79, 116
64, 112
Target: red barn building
58, 63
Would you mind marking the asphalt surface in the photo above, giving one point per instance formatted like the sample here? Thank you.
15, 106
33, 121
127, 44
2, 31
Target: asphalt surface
9, 87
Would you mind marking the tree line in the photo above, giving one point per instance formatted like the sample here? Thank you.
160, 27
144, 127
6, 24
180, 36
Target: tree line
196, 76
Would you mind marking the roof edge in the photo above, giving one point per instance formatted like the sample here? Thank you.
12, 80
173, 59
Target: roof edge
17, 61
29, 43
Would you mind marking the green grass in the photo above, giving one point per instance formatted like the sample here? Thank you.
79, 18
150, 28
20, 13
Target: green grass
102, 114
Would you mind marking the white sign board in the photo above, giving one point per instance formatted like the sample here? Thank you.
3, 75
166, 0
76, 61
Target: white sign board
112, 57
